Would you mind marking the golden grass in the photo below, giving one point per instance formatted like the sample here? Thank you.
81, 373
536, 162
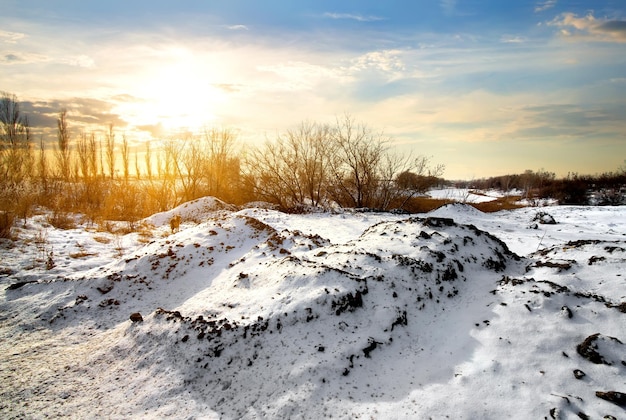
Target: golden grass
502, 203
424, 204
427, 204
102, 239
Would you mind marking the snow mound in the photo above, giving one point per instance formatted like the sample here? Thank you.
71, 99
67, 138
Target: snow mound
192, 211
294, 322
455, 210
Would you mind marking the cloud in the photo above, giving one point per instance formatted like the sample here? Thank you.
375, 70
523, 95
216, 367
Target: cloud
22, 58
300, 75
11, 37
388, 61
572, 120
228, 87
83, 61
512, 39
545, 5
82, 112
448, 6
588, 28
10, 58
125, 98
13, 57
237, 27
350, 16
155, 130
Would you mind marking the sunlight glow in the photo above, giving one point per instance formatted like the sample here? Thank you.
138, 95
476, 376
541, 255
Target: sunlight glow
177, 96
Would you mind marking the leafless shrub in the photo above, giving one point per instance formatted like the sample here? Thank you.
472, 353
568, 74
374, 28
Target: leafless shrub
6, 224
61, 220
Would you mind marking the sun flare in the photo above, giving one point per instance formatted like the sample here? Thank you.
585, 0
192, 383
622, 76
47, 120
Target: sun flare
176, 97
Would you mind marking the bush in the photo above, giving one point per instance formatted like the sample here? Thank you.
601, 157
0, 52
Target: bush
61, 220
6, 223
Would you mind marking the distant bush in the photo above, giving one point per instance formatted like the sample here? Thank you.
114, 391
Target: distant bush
608, 188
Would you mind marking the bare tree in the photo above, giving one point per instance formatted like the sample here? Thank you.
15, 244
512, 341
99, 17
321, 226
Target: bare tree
356, 164
125, 157
269, 172
294, 169
312, 148
189, 163
15, 143
219, 146
162, 191
63, 152
110, 151
417, 179
42, 166
148, 161
84, 161
137, 168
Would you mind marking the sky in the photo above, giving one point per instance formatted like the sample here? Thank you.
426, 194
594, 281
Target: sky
485, 87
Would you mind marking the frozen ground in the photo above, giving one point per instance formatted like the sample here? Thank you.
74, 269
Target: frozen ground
258, 314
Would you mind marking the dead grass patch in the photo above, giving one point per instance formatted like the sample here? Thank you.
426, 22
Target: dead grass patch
424, 204
6, 223
502, 203
61, 220
82, 254
102, 240
145, 234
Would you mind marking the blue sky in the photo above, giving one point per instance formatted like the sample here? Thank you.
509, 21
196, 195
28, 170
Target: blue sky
484, 87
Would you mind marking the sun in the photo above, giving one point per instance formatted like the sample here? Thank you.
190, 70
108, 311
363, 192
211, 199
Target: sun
179, 96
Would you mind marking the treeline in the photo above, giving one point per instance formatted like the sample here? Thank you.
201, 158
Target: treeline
608, 188
102, 177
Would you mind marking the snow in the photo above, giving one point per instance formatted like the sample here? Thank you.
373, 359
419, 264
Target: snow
464, 195
254, 313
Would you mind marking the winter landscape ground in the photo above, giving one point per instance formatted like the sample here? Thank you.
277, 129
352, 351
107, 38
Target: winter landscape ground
252, 313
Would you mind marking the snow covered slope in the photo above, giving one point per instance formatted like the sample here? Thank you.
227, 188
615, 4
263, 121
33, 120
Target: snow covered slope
258, 314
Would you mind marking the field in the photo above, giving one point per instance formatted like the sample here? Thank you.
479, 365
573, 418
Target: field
253, 313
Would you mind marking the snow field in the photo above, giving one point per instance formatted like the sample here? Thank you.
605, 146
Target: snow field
259, 314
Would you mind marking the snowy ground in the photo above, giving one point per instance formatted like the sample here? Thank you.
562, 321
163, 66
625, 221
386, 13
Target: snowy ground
463, 195
257, 314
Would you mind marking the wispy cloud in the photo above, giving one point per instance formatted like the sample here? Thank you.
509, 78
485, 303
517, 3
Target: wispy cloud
448, 6
512, 39
351, 16
237, 27
588, 28
228, 87
13, 57
545, 5
83, 61
11, 37
386, 61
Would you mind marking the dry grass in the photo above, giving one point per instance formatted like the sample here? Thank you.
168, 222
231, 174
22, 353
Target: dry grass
102, 239
6, 223
502, 203
424, 204
61, 220
82, 254
145, 233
